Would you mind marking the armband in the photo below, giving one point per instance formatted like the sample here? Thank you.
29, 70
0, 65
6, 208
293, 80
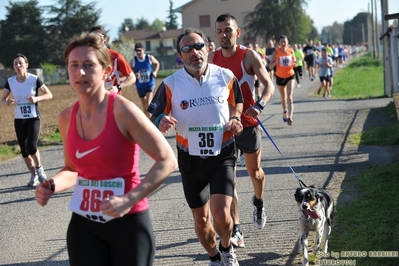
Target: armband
158, 119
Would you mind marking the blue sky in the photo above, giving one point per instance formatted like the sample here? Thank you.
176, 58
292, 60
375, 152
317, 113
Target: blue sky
323, 12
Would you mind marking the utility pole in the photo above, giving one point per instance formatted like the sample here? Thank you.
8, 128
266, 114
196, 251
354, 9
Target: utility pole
385, 50
372, 28
362, 34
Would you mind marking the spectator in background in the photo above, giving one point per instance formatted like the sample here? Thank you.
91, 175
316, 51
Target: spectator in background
146, 68
122, 75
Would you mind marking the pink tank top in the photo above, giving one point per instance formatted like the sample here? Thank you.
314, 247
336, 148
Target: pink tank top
108, 156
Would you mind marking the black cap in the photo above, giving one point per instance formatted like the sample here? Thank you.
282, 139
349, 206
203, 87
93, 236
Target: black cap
138, 46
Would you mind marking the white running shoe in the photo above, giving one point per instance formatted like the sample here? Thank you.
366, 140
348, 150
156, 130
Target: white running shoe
259, 216
34, 181
229, 258
41, 174
237, 239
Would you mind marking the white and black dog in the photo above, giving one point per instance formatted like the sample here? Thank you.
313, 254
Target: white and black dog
316, 213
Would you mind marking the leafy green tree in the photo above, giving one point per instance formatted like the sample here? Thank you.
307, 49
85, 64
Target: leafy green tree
272, 18
157, 25
142, 24
22, 32
70, 17
125, 47
127, 25
171, 24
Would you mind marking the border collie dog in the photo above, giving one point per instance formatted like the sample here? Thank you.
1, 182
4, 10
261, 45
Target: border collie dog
316, 213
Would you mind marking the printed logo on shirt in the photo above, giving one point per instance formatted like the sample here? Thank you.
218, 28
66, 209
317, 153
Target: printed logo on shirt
201, 101
80, 155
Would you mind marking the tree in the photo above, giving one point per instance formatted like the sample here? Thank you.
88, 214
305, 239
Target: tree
142, 24
157, 25
172, 23
127, 25
70, 18
22, 33
125, 47
272, 18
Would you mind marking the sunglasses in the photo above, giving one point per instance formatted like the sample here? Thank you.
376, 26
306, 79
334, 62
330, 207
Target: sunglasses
138, 50
188, 48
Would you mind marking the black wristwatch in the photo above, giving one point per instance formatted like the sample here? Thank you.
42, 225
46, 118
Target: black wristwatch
261, 104
119, 87
236, 118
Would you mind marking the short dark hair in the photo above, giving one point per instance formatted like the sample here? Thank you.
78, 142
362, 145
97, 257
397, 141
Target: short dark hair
22, 56
225, 17
186, 32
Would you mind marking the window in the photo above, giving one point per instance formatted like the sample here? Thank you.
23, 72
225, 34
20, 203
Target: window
147, 45
205, 21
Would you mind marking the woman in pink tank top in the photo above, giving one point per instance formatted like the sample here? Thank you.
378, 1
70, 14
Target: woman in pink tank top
101, 134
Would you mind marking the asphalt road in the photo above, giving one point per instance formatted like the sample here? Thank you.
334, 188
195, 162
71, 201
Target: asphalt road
315, 146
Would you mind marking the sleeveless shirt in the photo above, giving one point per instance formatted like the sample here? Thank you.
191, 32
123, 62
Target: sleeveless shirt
109, 155
247, 82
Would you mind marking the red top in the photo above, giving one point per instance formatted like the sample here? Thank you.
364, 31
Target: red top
108, 156
236, 64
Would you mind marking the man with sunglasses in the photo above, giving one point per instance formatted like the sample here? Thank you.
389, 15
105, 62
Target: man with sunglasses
121, 68
142, 65
203, 102
245, 64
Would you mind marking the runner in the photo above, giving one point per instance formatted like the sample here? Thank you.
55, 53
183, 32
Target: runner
284, 61
110, 223
299, 56
309, 52
121, 68
25, 89
203, 102
142, 65
245, 64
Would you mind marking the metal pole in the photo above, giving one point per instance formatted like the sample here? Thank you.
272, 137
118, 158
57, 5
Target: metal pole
372, 28
385, 50
376, 28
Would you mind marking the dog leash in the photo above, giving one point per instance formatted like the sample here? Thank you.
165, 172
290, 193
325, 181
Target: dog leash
282, 155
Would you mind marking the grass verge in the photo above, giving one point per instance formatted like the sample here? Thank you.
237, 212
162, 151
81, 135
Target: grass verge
371, 223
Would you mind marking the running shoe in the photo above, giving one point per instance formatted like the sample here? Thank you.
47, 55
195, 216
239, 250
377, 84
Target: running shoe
34, 181
298, 86
259, 215
289, 121
285, 116
242, 159
229, 258
41, 174
215, 263
237, 239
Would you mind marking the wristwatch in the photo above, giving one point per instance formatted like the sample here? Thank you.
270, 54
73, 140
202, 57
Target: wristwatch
119, 87
236, 118
261, 104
